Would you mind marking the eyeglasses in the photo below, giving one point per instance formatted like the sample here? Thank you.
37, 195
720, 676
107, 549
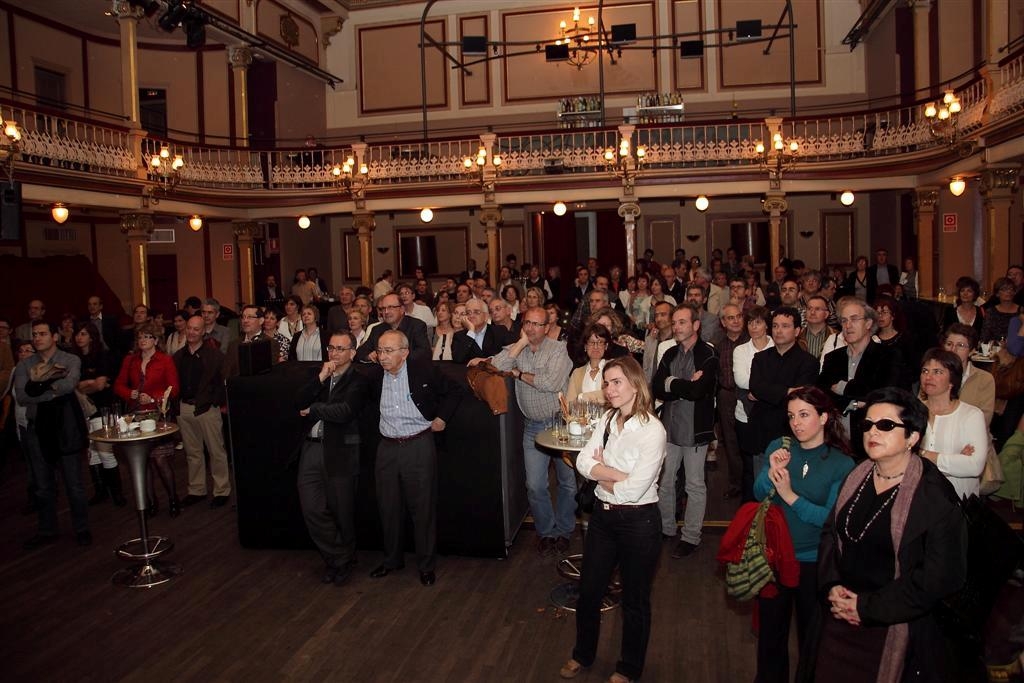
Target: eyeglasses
389, 308
884, 425
597, 342
474, 312
338, 348
956, 345
388, 352
534, 323
251, 317
851, 319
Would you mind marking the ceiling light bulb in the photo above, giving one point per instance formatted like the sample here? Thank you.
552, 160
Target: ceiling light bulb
303, 222
426, 215
196, 223
702, 203
957, 186
59, 212
846, 198
559, 208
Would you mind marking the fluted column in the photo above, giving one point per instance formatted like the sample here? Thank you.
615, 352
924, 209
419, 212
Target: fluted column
998, 187
629, 212
137, 227
491, 218
241, 58
925, 199
775, 205
922, 46
364, 223
245, 233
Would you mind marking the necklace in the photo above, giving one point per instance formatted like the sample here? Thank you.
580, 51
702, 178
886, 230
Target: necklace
881, 508
887, 477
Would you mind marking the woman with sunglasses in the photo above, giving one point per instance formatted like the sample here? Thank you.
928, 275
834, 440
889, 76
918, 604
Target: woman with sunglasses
805, 473
145, 376
624, 457
956, 440
892, 548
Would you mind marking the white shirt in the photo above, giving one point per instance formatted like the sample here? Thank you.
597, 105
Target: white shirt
421, 312
596, 383
742, 360
947, 435
638, 450
309, 347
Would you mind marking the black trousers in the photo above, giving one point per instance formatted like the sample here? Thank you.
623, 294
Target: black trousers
629, 538
775, 615
328, 507
407, 478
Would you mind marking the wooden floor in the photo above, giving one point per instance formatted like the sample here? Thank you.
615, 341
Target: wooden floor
237, 614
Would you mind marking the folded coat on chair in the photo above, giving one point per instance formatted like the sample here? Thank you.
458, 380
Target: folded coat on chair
488, 384
778, 545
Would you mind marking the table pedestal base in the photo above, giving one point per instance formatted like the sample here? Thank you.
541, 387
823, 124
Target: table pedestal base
566, 595
145, 575
138, 549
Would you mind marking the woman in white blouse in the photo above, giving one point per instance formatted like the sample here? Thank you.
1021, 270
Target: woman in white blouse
176, 339
357, 326
291, 323
310, 343
585, 382
624, 457
957, 439
444, 332
758, 319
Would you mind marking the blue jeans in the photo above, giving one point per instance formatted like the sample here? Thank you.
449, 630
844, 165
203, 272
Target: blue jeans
46, 486
549, 521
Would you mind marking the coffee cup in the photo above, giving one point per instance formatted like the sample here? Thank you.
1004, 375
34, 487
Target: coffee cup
148, 426
986, 348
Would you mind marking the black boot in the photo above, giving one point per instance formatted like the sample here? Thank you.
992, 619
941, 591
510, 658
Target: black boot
98, 485
112, 478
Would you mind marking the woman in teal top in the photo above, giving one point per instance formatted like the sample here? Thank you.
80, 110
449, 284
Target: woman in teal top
805, 471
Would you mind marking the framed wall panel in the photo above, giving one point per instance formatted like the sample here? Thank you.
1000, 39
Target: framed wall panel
386, 89
662, 236
745, 65
837, 229
450, 247
476, 87
353, 268
688, 17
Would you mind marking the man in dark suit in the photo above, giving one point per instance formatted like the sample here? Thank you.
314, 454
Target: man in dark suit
269, 293
481, 340
393, 317
850, 373
329, 464
881, 274
470, 273
251, 332
415, 401
106, 324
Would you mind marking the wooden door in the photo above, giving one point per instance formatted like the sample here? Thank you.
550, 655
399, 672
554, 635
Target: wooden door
163, 283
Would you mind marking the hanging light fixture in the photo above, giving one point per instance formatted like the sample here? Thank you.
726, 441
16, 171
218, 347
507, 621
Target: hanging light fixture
846, 198
702, 203
59, 212
426, 214
559, 208
957, 186
304, 222
195, 222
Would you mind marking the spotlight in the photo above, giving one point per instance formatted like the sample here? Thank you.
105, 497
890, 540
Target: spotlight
957, 186
303, 222
149, 7
196, 223
559, 208
846, 198
702, 203
426, 215
59, 212
172, 18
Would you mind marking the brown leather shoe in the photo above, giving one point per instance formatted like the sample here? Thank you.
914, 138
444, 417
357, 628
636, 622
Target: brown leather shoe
619, 678
570, 669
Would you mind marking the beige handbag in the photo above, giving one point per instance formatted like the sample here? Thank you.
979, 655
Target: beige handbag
992, 476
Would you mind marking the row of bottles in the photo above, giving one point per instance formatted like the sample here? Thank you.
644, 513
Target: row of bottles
574, 105
659, 99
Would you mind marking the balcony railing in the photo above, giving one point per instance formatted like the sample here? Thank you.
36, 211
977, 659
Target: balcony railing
58, 144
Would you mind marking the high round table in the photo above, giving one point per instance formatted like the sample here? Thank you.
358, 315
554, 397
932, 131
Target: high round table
135, 446
565, 595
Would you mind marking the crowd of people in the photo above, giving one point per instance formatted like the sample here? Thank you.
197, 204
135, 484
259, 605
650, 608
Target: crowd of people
836, 394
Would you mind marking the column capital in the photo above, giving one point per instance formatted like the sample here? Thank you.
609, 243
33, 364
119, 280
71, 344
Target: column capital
630, 211
240, 56
925, 199
364, 222
490, 215
999, 182
246, 230
775, 203
121, 10
137, 225
330, 27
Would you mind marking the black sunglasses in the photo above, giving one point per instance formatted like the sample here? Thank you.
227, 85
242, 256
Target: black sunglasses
885, 425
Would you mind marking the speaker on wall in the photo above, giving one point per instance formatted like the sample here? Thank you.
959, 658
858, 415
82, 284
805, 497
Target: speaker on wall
10, 211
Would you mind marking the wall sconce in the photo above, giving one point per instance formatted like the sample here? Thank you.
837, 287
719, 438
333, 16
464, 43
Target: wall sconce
693, 237
164, 171
60, 212
806, 234
481, 245
304, 222
10, 147
702, 203
846, 198
426, 214
195, 222
383, 250
559, 208
957, 186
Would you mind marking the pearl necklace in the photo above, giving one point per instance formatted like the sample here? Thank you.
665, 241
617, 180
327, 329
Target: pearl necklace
881, 508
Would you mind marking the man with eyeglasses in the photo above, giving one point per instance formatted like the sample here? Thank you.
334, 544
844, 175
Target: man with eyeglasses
201, 374
251, 324
480, 340
415, 401
735, 335
850, 373
329, 464
541, 367
393, 318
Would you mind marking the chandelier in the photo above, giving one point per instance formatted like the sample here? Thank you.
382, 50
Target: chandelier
351, 176
10, 147
942, 117
626, 163
480, 169
779, 156
164, 173
578, 39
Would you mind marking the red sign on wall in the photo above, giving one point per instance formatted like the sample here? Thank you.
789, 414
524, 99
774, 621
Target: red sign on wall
949, 222
227, 252
273, 246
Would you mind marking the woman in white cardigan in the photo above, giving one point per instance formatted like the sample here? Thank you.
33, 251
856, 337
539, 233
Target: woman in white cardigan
758, 319
957, 439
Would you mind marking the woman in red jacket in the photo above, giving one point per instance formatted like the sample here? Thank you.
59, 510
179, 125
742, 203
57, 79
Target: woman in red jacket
145, 376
